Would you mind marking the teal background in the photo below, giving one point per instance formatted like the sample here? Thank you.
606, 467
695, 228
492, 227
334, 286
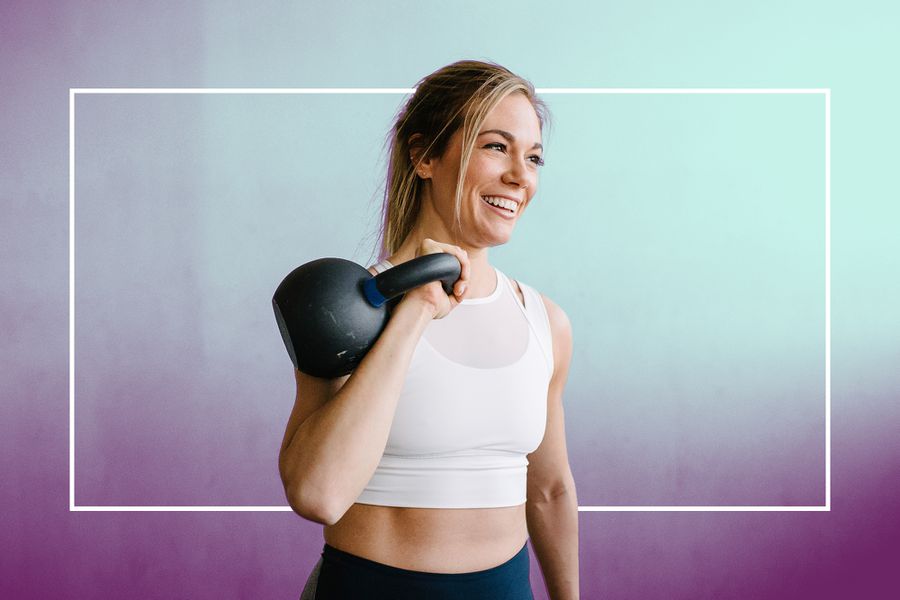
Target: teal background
683, 234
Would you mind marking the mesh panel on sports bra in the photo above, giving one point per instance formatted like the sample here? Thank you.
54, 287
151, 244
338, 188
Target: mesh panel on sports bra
484, 333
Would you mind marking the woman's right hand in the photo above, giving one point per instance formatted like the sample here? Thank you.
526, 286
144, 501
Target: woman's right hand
433, 294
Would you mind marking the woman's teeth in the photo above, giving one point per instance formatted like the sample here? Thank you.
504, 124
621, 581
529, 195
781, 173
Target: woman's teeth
501, 202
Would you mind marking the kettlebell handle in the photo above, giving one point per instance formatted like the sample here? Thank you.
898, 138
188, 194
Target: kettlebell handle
439, 266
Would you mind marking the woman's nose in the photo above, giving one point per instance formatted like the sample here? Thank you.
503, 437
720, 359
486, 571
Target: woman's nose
517, 174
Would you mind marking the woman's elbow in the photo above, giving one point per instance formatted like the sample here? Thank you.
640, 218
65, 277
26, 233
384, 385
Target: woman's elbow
313, 506
312, 514
560, 490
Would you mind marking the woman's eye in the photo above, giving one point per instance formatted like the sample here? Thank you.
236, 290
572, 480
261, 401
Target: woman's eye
502, 147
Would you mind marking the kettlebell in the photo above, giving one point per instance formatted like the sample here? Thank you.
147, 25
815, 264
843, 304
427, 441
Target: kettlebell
331, 311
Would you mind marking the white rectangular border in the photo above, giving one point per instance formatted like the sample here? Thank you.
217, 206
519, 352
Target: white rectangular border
825, 91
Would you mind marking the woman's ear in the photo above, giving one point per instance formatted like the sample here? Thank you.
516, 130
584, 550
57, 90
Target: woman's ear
416, 149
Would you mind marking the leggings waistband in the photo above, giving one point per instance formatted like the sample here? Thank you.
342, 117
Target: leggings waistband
330, 553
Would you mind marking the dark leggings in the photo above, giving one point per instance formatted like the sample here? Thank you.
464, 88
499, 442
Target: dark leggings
347, 576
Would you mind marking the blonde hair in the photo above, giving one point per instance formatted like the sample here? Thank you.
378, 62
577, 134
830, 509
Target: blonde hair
459, 95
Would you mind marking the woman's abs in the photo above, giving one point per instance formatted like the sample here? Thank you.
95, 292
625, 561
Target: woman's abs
434, 540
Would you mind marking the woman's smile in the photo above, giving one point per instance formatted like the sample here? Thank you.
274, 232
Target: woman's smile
503, 212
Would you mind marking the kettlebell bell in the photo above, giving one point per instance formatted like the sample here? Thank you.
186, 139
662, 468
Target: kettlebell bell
331, 311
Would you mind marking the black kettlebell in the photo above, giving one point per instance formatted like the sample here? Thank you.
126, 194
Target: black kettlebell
330, 311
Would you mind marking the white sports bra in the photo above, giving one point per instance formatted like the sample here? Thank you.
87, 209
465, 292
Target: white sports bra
473, 404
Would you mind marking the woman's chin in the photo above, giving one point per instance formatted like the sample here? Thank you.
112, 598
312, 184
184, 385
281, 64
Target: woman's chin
498, 238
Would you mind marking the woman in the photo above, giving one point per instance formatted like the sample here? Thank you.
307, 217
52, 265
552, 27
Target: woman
435, 460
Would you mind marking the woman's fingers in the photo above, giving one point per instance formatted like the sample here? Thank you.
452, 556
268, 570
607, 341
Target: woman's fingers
463, 282
430, 246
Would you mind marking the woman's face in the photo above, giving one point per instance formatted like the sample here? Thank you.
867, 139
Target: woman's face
504, 166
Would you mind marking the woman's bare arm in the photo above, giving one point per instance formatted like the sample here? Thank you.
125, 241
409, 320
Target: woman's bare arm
331, 455
339, 427
551, 508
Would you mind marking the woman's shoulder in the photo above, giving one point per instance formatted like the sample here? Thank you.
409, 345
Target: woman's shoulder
559, 320
561, 332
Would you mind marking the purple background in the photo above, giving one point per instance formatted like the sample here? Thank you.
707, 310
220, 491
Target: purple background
47, 48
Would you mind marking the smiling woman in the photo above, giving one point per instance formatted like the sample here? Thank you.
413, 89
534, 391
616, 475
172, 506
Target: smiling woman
433, 463
501, 173
474, 133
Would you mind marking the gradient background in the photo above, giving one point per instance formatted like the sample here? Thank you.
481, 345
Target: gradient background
683, 235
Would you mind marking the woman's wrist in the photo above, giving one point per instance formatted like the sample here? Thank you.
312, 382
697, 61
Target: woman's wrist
423, 310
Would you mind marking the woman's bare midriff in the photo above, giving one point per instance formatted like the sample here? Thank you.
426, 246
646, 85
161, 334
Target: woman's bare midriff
435, 540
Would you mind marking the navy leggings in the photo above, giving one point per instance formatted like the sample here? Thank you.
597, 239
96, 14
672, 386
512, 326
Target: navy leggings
347, 576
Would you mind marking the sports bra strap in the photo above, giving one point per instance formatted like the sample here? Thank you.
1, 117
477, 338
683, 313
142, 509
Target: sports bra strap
536, 314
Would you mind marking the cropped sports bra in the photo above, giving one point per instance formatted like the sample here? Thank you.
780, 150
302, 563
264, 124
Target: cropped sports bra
472, 406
